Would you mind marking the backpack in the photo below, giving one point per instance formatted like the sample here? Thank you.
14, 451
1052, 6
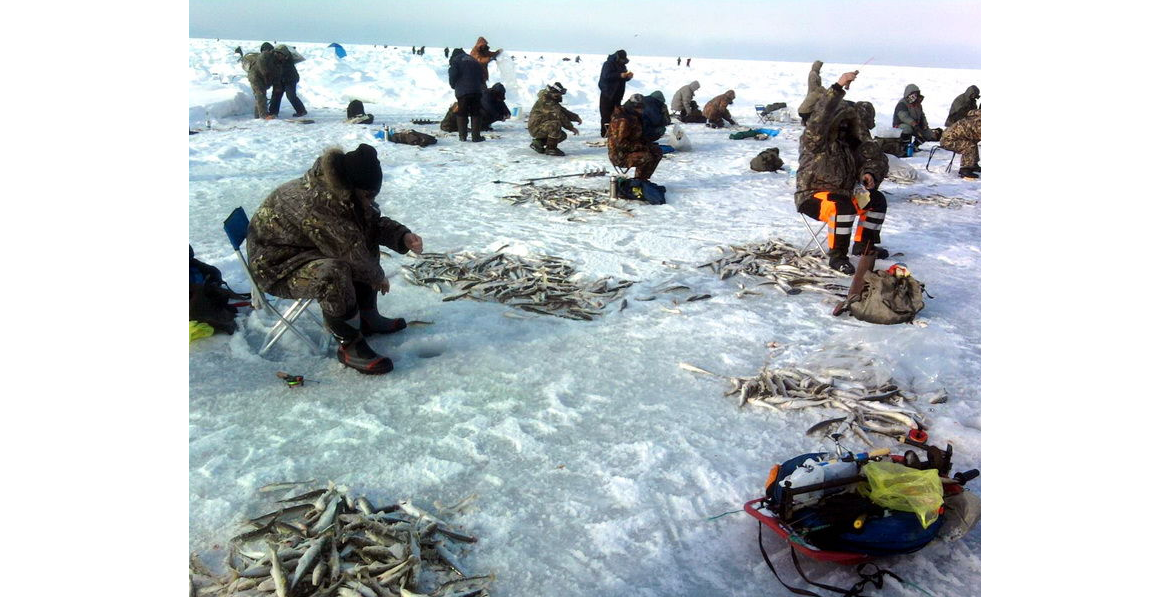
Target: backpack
887, 299
355, 113
209, 296
641, 190
413, 137
767, 160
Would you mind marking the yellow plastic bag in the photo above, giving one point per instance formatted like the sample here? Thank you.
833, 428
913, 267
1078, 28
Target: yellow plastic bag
902, 488
200, 330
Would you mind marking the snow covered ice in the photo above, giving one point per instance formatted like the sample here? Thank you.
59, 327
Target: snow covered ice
598, 461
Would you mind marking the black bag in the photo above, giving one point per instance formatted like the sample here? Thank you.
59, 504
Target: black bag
641, 190
413, 137
209, 296
887, 299
773, 107
767, 160
355, 113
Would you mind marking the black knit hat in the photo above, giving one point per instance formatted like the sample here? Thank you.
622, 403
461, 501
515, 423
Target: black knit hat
264, 47
621, 56
362, 169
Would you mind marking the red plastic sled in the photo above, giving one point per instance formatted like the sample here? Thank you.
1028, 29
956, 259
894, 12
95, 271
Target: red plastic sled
836, 557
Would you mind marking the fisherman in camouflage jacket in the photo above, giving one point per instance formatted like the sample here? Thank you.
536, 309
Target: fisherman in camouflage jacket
836, 153
547, 118
628, 147
963, 138
317, 237
263, 72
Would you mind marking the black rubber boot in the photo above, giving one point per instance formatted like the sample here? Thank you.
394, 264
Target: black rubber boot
461, 125
352, 351
537, 145
880, 252
840, 262
475, 136
374, 323
968, 173
550, 148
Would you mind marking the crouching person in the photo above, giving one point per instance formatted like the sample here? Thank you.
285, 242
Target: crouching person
317, 237
627, 143
547, 119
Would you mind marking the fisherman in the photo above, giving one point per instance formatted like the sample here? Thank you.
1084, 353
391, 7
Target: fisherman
578, 61
679, 62
483, 54
286, 84
836, 153
909, 117
465, 76
716, 110
446, 52
963, 104
263, 72
682, 99
491, 109
547, 118
612, 83
815, 91
317, 237
655, 116
688, 62
963, 138
627, 144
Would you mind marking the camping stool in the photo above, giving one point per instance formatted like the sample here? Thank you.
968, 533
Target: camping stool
760, 113
236, 228
814, 236
931, 156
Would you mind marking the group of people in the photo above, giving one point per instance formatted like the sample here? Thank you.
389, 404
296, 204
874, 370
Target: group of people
273, 68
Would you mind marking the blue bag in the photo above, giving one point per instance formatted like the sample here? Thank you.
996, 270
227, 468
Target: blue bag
641, 190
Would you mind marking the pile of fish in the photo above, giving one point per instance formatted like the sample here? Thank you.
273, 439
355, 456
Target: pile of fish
870, 401
540, 284
942, 201
567, 199
786, 267
327, 542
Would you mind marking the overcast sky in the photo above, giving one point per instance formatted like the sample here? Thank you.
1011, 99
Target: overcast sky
940, 33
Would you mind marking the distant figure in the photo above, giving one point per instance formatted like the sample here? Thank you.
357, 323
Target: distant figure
911, 119
413, 50
963, 137
688, 62
682, 99
263, 72
465, 76
547, 118
612, 83
483, 54
716, 110
286, 83
628, 147
422, 50
578, 60
815, 91
446, 52
967, 101
679, 62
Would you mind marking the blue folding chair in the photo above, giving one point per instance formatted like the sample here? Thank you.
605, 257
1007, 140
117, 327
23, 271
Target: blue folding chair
236, 227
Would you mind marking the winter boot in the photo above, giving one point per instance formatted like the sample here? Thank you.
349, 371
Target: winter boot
840, 262
550, 148
968, 174
374, 323
537, 145
879, 252
475, 136
461, 124
353, 351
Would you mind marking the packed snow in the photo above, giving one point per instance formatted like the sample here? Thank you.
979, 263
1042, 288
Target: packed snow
599, 462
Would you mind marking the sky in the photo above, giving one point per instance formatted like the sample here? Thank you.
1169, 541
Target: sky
928, 33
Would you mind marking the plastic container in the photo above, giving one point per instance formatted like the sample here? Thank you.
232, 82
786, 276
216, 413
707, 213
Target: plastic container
811, 472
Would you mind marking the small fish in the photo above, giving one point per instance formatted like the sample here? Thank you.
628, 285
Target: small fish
284, 485
698, 297
419, 323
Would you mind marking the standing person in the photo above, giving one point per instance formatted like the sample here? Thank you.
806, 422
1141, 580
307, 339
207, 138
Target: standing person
963, 137
547, 118
682, 98
483, 54
679, 62
465, 76
688, 62
962, 106
911, 120
286, 84
627, 144
413, 50
422, 50
836, 153
263, 72
716, 110
446, 52
612, 83
815, 91
317, 237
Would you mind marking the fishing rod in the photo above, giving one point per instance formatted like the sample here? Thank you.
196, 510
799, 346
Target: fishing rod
588, 173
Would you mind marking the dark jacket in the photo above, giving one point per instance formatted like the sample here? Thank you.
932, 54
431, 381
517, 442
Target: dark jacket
835, 149
493, 107
967, 101
611, 83
464, 74
315, 217
288, 68
910, 114
655, 116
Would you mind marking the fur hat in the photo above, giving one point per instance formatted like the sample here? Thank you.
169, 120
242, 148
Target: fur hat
361, 168
621, 56
634, 101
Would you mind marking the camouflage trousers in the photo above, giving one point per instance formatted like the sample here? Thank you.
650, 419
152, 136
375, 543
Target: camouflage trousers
331, 283
549, 130
644, 162
259, 93
963, 137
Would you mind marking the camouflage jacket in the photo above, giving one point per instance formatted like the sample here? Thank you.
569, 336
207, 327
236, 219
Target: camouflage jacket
831, 160
546, 111
261, 67
317, 216
815, 90
717, 107
625, 136
968, 130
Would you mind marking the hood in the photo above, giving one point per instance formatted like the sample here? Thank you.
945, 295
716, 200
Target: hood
817, 66
658, 96
730, 94
283, 51
498, 90
620, 57
694, 85
456, 54
866, 114
327, 170
481, 42
972, 92
264, 47
911, 88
